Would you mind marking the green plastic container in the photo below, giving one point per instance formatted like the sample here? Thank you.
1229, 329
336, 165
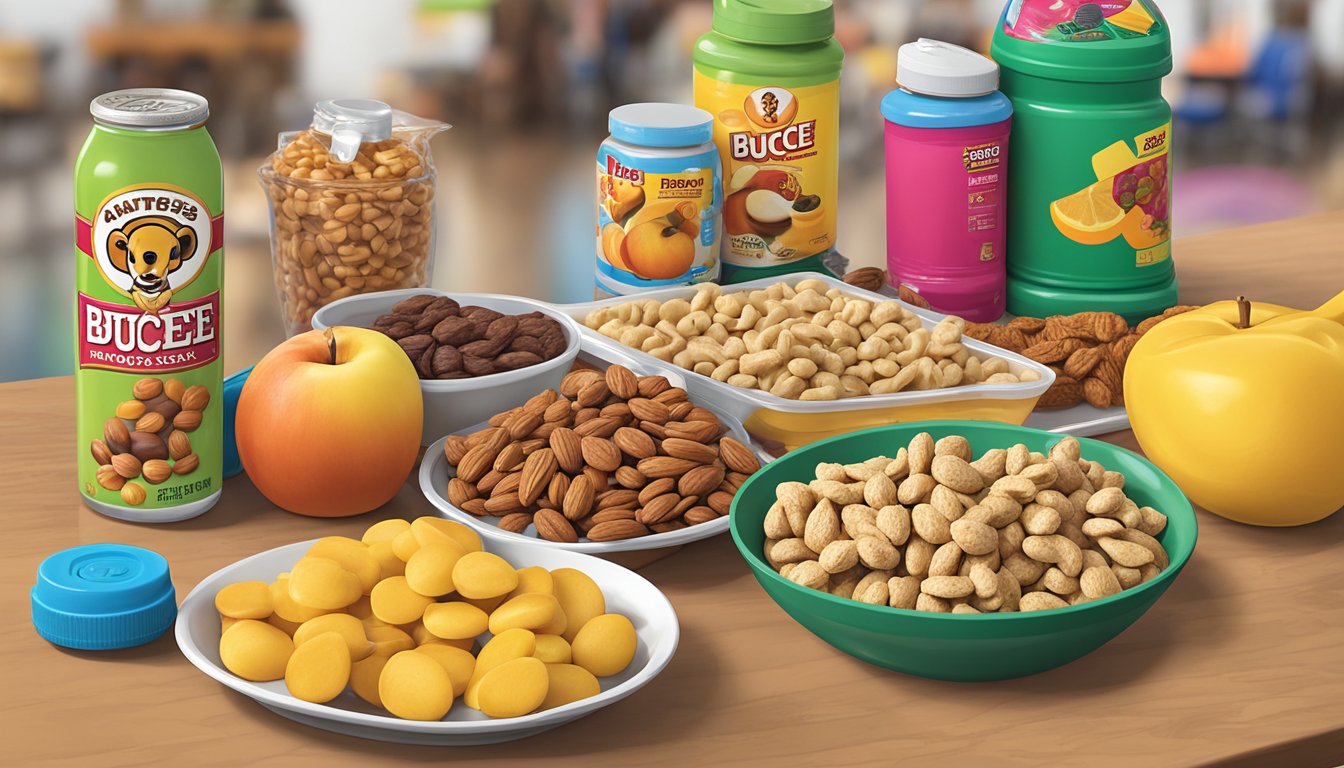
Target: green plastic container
943, 646
769, 73
1089, 218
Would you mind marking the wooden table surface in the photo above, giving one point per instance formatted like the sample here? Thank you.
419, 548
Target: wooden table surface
1240, 663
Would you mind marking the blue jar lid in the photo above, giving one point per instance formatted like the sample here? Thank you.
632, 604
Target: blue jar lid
915, 110
233, 388
98, 597
661, 125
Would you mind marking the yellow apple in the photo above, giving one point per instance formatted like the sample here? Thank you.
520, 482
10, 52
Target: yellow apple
329, 422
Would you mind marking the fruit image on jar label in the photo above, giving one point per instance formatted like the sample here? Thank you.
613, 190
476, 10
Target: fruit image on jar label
1131, 198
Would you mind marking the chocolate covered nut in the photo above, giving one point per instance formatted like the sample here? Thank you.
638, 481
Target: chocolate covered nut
477, 366
455, 330
446, 360
415, 346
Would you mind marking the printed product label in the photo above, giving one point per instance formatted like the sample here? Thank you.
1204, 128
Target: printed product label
1081, 21
1131, 198
779, 168
657, 219
983, 190
148, 346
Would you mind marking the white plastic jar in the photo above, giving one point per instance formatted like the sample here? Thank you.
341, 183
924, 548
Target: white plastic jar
659, 199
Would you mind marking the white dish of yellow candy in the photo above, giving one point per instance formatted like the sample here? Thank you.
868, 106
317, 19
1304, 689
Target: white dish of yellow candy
531, 677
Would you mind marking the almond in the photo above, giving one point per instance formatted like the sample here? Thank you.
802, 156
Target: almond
659, 509
100, 452
700, 481
651, 386
187, 464
679, 411
147, 388
502, 418
617, 497
557, 412
536, 475
503, 504
645, 409
133, 494
698, 431
552, 526
173, 389
738, 457
615, 530
656, 488
179, 444
702, 414
622, 382
618, 411
668, 527
698, 515
508, 483
539, 402
156, 471
195, 398
597, 477
585, 414
460, 491
131, 409
653, 429
577, 380
629, 477
557, 488
454, 448
109, 478
671, 396
578, 499
595, 393
634, 443
690, 450
599, 427
117, 436
487, 483
126, 465
521, 424
188, 419
618, 513
601, 454
665, 466
475, 464
515, 522
474, 507
567, 445
734, 480
720, 501
510, 458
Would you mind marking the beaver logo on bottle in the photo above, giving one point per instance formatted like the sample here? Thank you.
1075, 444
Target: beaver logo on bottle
149, 242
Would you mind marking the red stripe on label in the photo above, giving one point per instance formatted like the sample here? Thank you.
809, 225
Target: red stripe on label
117, 337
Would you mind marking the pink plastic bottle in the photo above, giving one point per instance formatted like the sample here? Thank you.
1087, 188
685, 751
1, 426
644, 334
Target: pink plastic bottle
947, 163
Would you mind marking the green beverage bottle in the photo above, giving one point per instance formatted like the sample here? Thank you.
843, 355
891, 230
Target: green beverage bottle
1089, 213
149, 235
769, 73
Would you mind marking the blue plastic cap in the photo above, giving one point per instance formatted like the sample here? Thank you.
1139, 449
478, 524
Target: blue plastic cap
661, 125
103, 596
233, 388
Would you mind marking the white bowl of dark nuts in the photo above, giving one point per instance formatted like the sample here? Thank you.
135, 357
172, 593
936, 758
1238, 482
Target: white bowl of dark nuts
477, 353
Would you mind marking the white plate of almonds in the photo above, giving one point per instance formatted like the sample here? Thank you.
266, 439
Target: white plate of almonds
619, 459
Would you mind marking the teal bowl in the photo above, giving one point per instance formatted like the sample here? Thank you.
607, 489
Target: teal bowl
992, 646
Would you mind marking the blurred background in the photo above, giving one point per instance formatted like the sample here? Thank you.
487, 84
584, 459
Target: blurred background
1258, 92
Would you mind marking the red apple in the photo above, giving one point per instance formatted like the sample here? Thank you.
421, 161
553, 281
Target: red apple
329, 422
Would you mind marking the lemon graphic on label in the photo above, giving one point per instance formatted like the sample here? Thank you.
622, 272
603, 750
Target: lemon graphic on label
1090, 215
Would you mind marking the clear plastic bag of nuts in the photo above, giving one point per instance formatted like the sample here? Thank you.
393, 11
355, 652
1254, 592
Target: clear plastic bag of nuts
352, 206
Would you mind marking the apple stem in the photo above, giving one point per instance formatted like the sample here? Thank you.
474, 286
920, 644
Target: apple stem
331, 343
1243, 310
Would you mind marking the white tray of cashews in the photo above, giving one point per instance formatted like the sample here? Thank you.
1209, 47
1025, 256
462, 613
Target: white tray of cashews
824, 378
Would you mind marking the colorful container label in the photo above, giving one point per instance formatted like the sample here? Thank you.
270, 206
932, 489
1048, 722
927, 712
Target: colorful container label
1131, 198
1081, 21
148, 284
779, 148
657, 219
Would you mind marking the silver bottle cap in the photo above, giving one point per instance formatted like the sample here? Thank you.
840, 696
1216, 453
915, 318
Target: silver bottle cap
152, 109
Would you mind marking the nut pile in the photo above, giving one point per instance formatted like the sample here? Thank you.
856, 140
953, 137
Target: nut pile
449, 341
934, 530
807, 341
609, 456
347, 228
396, 615
147, 437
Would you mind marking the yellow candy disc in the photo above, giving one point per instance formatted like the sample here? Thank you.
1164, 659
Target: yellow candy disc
508, 645
255, 650
580, 599
288, 627
404, 545
388, 640
455, 621
514, 688
395, 602
385, 530
431, 529
605, 645
322, 583
416, 687
364, 676
245, 600
430, 569
480, 575
351, 555
529, 611
466, 644
285, 607
459, 664
225, 622
319, 669
552, 649
361, 609
536, 579
568, 683
348, 627
388, 563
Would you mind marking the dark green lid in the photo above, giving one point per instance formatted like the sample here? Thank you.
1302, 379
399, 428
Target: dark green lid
774, 22
1083, 49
